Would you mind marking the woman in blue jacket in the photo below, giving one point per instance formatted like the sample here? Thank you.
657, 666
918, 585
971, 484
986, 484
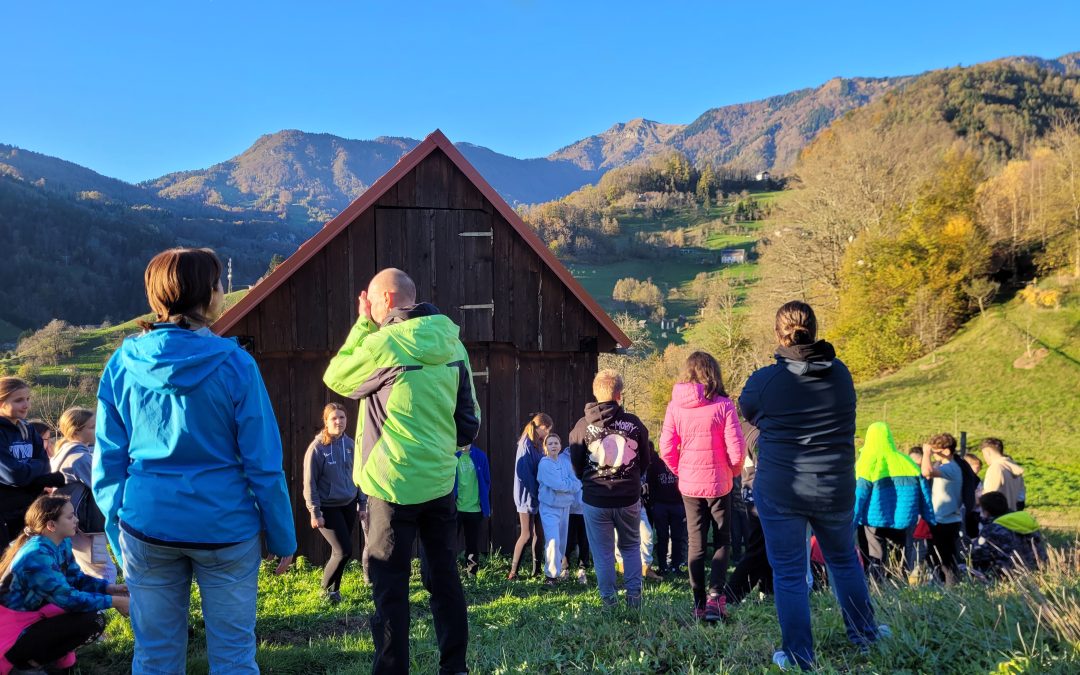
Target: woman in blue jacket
526, 492
188, 472
804, 407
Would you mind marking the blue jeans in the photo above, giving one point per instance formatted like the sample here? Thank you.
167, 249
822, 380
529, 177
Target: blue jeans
159, 580
785, 541
601, 524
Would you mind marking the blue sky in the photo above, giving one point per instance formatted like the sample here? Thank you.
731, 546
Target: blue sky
138, 89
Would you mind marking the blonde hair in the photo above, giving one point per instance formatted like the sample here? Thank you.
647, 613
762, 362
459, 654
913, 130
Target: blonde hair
607, 385
324, 436
537, 420
45, 508
73, 421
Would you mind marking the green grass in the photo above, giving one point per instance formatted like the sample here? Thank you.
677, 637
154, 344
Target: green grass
525, 627
971, 385
677, 270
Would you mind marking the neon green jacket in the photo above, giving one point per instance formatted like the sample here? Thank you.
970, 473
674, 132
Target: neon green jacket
417, 404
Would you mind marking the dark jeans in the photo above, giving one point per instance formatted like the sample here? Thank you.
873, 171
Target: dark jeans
883, 548
577, 536
785, 541
531, 531
393, 528
943, 551
701, 517
669, 524
469, 525
753, 568
340, 522
49, 639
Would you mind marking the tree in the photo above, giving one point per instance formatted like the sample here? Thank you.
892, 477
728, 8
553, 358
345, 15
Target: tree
49, 344
981, 290
275, 260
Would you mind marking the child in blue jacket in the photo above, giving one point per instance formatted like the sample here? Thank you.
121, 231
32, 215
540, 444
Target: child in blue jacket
472, 487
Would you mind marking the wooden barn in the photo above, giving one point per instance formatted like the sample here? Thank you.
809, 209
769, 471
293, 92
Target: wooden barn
532, 332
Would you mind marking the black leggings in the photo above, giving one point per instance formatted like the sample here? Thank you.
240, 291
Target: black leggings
340, 521
701, 515
531, 530
47, 640
576, 536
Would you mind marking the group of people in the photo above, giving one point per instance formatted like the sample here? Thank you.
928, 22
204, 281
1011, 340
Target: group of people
179, 473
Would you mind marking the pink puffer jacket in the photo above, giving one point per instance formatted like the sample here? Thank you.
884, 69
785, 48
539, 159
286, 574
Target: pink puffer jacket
702, 441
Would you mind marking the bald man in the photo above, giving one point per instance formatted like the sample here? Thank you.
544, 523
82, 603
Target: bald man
406, 365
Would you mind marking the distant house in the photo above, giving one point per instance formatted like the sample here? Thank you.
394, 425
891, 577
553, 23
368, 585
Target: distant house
732, 256
762, 176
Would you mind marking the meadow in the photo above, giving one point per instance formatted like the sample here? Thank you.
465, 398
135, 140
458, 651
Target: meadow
525, 627
972, 384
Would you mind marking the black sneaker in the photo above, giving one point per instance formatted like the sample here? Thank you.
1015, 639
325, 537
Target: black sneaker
334, 597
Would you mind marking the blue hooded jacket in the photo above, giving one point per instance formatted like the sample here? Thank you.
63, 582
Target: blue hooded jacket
483, 478
188, 449
526, 486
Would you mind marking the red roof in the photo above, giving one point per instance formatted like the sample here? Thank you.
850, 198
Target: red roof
367, 200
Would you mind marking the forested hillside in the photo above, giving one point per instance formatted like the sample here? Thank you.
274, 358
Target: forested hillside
911, 213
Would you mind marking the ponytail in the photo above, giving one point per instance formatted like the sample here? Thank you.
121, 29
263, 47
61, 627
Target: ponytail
44, 509
537, 420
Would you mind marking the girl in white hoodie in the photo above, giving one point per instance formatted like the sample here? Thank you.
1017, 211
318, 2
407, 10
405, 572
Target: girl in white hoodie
559, 487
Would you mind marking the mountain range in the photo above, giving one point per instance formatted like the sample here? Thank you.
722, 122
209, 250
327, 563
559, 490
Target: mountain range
276, 193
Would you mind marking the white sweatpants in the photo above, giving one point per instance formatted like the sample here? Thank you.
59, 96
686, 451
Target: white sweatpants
556, 520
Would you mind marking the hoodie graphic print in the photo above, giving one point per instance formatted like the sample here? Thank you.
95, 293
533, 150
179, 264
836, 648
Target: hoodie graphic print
609, 450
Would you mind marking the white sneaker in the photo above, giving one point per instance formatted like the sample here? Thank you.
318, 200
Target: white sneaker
581, 578
781, 660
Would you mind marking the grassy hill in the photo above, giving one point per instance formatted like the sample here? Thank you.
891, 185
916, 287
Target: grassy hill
674, 273
972, 385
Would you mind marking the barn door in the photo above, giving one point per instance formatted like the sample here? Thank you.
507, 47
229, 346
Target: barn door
449, 254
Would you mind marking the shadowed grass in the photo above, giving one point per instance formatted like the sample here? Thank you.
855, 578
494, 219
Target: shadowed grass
525, 627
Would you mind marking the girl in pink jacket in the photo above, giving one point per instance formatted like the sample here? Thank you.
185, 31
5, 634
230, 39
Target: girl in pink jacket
703, 444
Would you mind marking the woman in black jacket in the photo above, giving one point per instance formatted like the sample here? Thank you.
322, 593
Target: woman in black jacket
804, 407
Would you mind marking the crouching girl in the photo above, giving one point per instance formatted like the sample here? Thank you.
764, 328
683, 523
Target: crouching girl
48, 607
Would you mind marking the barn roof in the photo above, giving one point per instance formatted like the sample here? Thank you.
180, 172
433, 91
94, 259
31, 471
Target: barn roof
367, 200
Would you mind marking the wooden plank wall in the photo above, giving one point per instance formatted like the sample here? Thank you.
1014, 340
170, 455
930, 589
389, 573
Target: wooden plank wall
537, 344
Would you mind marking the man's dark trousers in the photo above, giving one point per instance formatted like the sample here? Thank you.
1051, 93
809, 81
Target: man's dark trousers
392, 529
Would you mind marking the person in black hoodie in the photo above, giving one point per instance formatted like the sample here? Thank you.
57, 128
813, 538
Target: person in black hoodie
609, 448
24, 466
668, 514
804, 408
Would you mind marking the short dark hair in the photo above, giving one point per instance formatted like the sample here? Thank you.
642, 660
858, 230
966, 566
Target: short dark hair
994, 504
994, 444
180, 283
943, 442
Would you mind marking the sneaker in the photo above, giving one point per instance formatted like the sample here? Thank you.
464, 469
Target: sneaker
608, 603
581, 578
551, 581
716, 608
781, 660
699, 613
334, 597
883, 633
633, 601
565, 574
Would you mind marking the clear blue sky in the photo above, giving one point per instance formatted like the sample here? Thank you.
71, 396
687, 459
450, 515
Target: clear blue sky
138, 89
